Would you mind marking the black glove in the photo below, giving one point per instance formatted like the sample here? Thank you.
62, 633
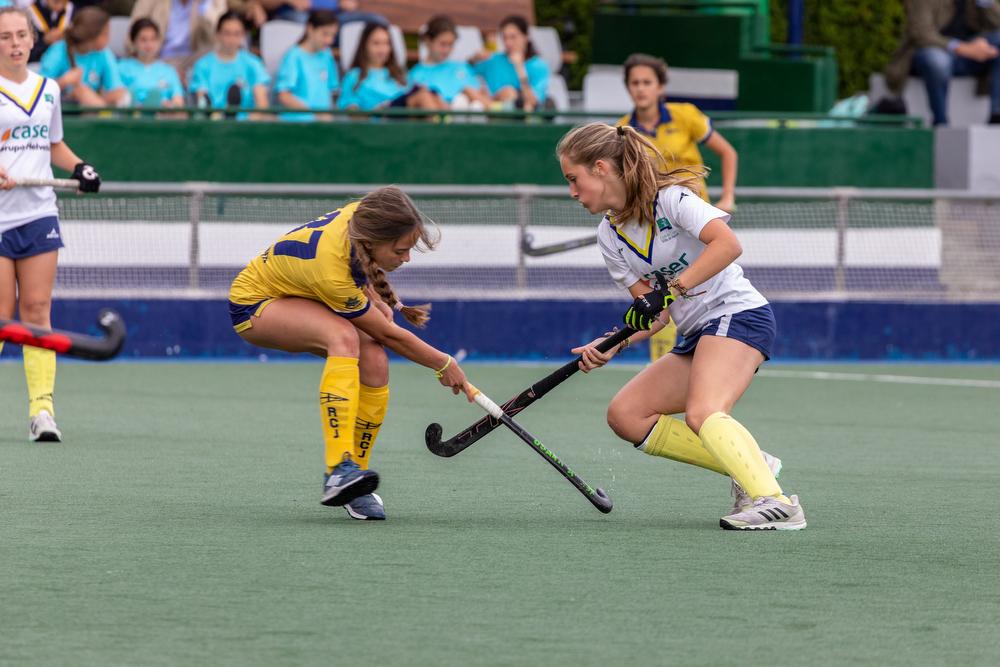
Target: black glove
90, 180
644, 309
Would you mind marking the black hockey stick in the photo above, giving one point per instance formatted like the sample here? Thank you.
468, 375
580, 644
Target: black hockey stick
454, 445
564, 246
69, 343
597, 497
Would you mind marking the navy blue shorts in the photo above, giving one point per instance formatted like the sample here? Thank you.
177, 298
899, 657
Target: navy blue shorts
34, 238
755, 327
400, 101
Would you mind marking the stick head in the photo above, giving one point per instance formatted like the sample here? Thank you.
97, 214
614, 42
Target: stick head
432, 436
601, 501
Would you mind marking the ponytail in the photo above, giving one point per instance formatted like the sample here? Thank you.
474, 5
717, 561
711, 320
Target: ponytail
640, 165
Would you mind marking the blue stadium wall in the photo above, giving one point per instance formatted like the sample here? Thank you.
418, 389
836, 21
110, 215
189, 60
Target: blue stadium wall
546, 330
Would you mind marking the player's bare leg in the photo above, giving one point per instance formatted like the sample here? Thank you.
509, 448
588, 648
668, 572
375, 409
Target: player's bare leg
659, 389
642, 412
8, 290
36, 277
303, 325
721, 372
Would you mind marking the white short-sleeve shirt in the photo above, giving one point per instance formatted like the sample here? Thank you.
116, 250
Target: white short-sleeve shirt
30, 122
634, 252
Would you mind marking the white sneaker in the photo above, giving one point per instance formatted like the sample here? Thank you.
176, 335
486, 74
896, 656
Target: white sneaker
42, 428
767, 513
741, 499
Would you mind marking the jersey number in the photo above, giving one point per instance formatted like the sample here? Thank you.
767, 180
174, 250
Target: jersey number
305, 249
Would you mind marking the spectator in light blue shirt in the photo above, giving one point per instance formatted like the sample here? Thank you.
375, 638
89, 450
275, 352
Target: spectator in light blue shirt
453, 80
376, 80
518, 75
230, 76
83, 65
307, 78
152, 82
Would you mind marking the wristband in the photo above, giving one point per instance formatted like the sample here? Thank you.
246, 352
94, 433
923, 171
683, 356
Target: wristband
440, 374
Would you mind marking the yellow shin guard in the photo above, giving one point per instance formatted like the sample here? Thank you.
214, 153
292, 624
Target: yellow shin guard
671, 438
738, 452
40, 373
338, 408
372, 404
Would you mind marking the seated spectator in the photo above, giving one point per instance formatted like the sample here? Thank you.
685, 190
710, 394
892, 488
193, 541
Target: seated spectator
50, 18
376, 80
230, 76
944, 39
83, 65
151, 82
187, 26
518, 76
307, 78
453, 81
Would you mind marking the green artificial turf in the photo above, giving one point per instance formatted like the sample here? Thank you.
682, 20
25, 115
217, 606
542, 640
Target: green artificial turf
179, 523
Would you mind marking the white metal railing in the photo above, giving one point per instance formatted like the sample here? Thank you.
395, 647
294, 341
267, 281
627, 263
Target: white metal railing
828, 231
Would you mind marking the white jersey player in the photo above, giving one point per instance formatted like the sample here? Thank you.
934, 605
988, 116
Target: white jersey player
31, 141
675, 253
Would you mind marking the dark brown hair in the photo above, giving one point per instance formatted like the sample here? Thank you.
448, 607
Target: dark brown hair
140, 25
635, 158
658, 65
521, 24
361, 58
438, 25
86, 26
384, 216
319, 18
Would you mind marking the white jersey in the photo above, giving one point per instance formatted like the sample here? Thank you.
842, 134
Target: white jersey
634, 253
30, 122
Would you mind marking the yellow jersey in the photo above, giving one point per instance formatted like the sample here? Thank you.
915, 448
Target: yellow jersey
679, 131
314, 261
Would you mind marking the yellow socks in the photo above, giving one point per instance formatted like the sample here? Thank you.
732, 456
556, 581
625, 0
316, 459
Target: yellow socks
40, 372
372, 404
338, 408
738, 452
672, 439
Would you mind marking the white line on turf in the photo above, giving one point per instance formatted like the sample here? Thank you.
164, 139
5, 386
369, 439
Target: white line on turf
881, 377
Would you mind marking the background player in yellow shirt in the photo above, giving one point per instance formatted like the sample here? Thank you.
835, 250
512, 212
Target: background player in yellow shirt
676, 129
314, 291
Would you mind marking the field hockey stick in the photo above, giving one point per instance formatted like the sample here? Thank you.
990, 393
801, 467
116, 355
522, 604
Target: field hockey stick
597, 497
60, 183
459, 442
564, 246
69, 343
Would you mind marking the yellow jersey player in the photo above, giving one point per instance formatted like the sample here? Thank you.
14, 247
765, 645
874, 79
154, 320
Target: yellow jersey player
676, 129
31, 141
322, 289
658, 231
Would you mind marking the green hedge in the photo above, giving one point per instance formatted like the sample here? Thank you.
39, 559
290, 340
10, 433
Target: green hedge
863, 32
574, 19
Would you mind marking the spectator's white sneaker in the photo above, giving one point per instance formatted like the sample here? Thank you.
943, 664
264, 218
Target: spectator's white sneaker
767, 513
741, 499
42, 428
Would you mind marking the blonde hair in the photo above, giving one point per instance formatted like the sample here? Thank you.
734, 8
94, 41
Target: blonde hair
14, 9
636, 159
386, 215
